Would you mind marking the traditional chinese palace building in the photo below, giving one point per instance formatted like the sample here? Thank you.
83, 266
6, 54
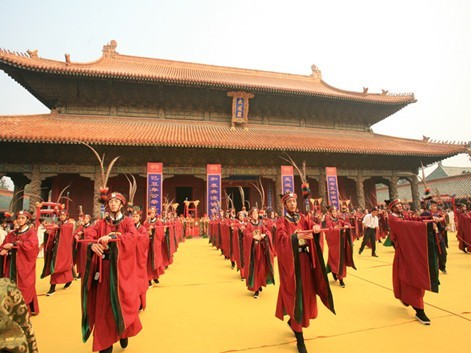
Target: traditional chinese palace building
188, 115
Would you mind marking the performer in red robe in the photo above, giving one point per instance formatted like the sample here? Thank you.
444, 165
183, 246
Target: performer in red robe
415, 267
155, 264
302, 270
142, 250
225, 236
237, 229
81, 248
110, 297
58, 253
270, 223
18, 254
464, 228
340, 246
258, 252
437, 229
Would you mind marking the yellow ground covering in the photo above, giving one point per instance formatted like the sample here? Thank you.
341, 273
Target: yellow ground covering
202, 306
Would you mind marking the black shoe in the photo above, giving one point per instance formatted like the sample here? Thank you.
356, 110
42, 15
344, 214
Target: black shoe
444, 272
67, 285
359, 252
150, 284
52, 290
301, 347
260, 289
123, 342
335, 276
156, 280
379, 241
300, 342
256, 294
404, 303
342, 283
420, 315
374, 255
107, 350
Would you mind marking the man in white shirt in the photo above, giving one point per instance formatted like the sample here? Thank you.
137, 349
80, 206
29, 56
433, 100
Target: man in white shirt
370, 225
3, 230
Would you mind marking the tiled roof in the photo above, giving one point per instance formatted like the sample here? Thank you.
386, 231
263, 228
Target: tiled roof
442, 172
459, 185
124, 67
56, 128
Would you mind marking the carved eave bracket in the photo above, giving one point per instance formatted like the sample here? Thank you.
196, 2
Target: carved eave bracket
240, 108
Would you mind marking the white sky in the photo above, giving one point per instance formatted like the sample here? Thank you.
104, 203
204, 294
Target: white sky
419, 46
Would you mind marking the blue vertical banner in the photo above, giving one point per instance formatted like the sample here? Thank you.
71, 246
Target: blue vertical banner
332, 186
213, 189
287, 180
154, 186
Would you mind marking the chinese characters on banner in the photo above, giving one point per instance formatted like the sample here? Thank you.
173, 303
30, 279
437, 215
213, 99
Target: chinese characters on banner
270, 196
240, 107
287, 179
213, 189
332, 186
154, 186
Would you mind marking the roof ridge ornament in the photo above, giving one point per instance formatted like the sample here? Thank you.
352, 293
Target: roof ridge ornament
110, 49
316, 73
33, 54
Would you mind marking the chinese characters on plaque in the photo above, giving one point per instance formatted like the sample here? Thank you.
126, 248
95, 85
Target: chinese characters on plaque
154, 186
213, 188
240, 108
332, 186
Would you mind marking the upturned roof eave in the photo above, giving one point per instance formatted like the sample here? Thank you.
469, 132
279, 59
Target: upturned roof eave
85, 72
350, 151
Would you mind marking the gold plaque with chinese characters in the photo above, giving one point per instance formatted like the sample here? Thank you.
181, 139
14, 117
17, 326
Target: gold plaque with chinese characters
240, 107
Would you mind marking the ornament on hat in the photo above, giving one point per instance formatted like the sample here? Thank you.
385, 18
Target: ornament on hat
302, 174
261, 191
104, 175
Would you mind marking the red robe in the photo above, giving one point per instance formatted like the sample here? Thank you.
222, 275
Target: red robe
142, 250
225, 237
464, 231
167, 254
270, 223
302, 275
415, 267
58, 254
213, 232
258, 257
155, 262
172, 240
20, 266
238, 245
110, 308
340, 247
81, 248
